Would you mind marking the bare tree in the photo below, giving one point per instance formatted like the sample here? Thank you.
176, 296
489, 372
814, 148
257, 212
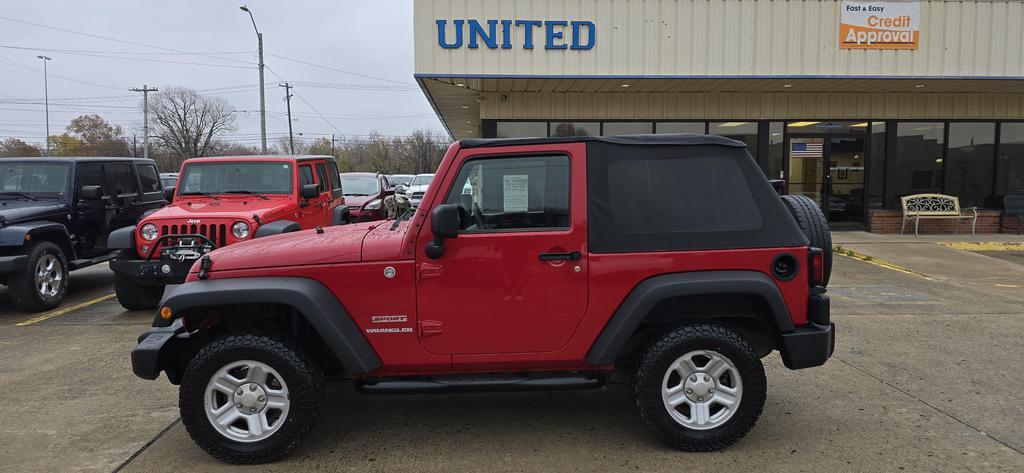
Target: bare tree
189, 124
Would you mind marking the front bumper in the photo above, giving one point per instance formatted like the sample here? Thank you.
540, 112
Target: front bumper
152, 272
154, 347
12, 264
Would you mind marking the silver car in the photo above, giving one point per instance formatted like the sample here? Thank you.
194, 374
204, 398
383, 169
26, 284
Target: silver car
414, 192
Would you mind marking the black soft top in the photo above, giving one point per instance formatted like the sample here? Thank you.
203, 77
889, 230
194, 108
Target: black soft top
667, 139
75, 159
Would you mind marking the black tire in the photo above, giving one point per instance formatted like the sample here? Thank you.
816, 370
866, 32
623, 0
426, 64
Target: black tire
303, 378
814, 225
135, 296
663, 351
23, 289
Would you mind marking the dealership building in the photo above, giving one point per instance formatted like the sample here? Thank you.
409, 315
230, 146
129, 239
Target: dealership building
854, 103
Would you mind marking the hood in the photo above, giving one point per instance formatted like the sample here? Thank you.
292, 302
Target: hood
357, 201
14, 211
225, 208
338, 244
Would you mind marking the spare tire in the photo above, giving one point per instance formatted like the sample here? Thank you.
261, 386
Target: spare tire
813, 223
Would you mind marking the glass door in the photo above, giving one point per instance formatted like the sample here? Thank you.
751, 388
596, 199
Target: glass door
845, 180
830, 170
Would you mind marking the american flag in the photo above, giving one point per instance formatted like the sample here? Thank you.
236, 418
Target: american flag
806, 150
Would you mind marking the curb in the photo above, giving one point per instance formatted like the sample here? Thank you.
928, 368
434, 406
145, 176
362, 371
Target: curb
984, 245
839, 250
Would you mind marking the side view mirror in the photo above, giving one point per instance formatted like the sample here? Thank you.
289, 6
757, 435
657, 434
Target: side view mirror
169, 193
779, 185
309, 191
444, 222
91, 192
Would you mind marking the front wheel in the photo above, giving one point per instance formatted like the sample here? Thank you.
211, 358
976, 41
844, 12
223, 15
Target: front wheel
249, 399
44, 281
700, 387
135, 296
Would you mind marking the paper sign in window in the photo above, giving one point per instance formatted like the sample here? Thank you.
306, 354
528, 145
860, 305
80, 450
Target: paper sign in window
516, 193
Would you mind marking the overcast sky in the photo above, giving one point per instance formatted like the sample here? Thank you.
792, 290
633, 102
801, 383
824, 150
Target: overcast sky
359, 76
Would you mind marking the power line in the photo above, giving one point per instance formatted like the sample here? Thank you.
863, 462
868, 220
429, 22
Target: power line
71, 79
54, 50
365, 76
122, 58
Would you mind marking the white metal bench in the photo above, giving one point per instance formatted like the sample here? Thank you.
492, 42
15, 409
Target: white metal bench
935, 206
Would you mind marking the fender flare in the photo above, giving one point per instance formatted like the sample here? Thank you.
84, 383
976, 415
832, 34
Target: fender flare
277, 227
14, 235
313, 300
122, 238
338, 215
638, 304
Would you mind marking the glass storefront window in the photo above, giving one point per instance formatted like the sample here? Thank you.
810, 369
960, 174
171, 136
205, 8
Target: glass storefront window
740, 131
1010, 160
521, 129
776, 150
876, 166
916, 166
575, 129
968, 164
696, 128
627, 128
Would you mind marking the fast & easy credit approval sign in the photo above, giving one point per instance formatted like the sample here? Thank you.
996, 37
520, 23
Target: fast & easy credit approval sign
865, 24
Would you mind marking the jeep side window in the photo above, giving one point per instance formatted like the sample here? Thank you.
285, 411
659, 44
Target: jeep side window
521, 193
332, 172
124, 179
321, 176
149, 177
90, 175
305, 175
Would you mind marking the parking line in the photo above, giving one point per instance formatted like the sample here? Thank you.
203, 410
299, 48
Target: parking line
66, 310
840, 250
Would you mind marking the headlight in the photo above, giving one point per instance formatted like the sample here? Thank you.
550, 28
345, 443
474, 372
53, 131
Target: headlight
372, 205
149, 232
240, 230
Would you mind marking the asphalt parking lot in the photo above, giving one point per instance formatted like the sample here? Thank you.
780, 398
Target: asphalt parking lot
926, 377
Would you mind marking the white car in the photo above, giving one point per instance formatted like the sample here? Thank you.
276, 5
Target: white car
414, 192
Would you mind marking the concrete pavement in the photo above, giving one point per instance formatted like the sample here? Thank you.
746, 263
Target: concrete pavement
925, 378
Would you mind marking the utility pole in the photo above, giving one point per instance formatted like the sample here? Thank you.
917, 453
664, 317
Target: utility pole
332, 145
145, 117
263, 103
46, 101
288, 98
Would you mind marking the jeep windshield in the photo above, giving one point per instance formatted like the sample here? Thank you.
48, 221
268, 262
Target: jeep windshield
32, 180
243, 178
360, 185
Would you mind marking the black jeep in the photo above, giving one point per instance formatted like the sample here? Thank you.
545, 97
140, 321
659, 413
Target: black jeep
56, 214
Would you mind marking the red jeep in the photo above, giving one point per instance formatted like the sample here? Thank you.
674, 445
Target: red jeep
219, 202
531, 264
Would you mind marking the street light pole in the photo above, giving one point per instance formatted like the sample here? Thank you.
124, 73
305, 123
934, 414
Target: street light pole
46, 101
263, 106
145, 116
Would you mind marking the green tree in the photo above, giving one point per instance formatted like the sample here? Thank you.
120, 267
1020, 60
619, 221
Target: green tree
13, 147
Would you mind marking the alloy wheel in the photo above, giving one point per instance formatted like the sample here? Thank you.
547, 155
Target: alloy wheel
702, 389
246, 401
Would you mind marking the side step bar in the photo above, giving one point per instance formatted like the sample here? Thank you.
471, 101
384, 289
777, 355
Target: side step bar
448, 385
81, 263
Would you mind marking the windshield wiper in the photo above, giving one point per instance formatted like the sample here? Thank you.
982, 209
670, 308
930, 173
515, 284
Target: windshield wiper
257, 194
207, 194
20, 194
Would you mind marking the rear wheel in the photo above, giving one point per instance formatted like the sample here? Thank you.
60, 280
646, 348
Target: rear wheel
43, 283
249, 399
700, 387
814, 225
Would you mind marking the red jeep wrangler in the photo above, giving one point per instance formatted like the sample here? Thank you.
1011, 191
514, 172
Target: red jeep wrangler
218, 202
531, 264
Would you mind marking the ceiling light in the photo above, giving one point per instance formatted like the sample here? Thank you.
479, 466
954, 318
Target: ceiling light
803, 123
465, 106
460, 84
732, 124
919, 86
938, 160
864, 124
787, 85
469, 122
624, 85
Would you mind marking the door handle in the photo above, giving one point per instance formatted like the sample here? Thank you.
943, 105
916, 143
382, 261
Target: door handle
571, 256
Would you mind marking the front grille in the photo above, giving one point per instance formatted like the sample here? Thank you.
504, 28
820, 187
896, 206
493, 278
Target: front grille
216, 233
417, 195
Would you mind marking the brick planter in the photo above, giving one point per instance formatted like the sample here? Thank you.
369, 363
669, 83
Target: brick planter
889, 221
